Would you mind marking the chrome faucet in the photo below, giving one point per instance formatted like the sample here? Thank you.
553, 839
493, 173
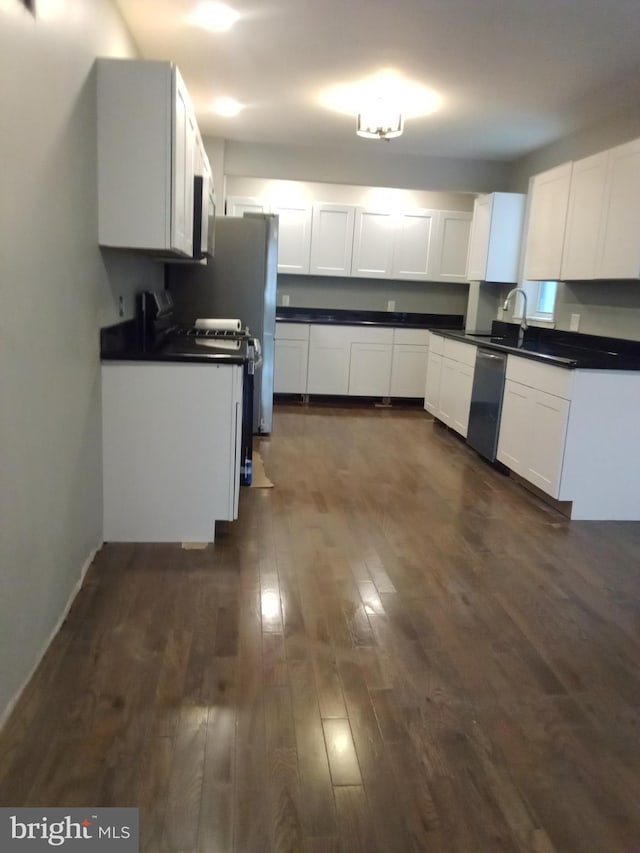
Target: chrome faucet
523, 320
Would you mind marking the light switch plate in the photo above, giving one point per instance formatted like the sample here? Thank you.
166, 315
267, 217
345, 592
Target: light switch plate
574, 323
285, 299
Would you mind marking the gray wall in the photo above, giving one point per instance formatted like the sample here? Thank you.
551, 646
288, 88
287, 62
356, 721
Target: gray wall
605, 307
56, 290
376, 167
309, 291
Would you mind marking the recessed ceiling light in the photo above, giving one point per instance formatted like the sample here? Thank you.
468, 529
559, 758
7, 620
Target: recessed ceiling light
217, 17
227, 106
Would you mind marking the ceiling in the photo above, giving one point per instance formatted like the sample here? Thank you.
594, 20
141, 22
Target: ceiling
513, 75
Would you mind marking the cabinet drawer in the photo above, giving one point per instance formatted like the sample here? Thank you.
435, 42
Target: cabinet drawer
545, 377
458, 351
292, 331
436, 343
419, 337
371, 335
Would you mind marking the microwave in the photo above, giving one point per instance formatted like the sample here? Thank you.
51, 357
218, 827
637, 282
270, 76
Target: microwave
204, 211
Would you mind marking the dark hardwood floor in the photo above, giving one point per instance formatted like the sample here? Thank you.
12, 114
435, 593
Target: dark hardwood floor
394, 649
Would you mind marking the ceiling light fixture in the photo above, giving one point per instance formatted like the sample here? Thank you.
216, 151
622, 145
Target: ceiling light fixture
379, 120
216, 17
228, 107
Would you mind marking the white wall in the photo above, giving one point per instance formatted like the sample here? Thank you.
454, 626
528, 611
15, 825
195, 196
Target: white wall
56, 290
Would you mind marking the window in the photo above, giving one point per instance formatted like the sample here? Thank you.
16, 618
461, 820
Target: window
541, 301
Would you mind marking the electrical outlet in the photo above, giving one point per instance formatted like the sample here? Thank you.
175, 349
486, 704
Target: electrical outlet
285, 299
391, 305
574, 323
121, 306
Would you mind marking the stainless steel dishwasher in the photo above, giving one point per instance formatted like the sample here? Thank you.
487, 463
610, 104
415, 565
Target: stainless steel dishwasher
486, 402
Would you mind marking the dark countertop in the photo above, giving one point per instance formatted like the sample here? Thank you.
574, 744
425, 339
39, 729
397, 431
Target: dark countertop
571, 350
348, 317
120, 343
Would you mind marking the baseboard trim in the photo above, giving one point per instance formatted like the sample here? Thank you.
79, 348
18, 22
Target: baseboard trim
6, 712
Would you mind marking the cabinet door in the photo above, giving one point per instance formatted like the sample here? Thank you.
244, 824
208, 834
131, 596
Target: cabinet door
517, 402
584, 214
329, 357
620, 235
239, 205
547, 217
409, 370
373, 239
183, 158
479, 239
449, 258
294, 238
332, 239
370, 370
414, 237
447, 399
290, 367
432, 386
547, 429
461, 395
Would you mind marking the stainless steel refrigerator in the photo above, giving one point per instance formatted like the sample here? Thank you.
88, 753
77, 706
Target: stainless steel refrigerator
239, 281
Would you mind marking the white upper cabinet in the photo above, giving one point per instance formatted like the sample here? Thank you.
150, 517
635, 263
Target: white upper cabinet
602, 238
545, 230
147, 136
448, 261
239, 205
373, 242
294, 238
415, 231
332, 240
619, 251
496, 235
582, 230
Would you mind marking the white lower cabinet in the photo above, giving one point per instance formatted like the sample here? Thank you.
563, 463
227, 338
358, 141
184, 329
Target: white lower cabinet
573, 434
450, 381
360, 361
409, 363
329, 359
171, 437
291, 358
432, 385
532, 435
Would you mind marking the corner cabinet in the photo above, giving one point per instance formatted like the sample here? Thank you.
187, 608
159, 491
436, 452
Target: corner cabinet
496, 235
147, 136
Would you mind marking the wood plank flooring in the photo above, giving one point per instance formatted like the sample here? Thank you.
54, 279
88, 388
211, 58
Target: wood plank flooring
395, 649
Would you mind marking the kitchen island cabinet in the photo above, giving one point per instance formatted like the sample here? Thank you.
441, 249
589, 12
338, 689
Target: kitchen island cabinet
171, 447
